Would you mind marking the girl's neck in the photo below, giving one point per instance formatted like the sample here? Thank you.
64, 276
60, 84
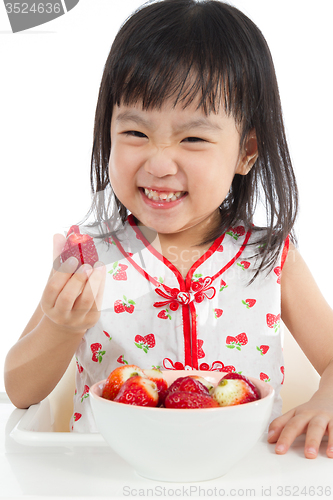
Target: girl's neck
184, 248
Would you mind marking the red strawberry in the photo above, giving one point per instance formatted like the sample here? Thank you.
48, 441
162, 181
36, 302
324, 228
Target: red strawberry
236, 232
97, 352
238, 376
218, 313
122, 360
282, 371
237, 341
156, 376
244, 264
119, 307
231, 392
264, 377
164, 314
129, 308
77, 416
187, 384
138, 391
117, 377
124, 305
201, 353
203, 381
273, 321
278, 271
120, 273
85, 393
189, 400
249, 303
145, 343
263, 349
223, 285
107, 334
80, 246
79, 367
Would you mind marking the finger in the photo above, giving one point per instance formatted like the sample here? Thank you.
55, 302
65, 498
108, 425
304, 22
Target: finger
295, 427
100, 291
277, 426
58, 281
91, 296
329, 450
59, 241
314, 435
73, 288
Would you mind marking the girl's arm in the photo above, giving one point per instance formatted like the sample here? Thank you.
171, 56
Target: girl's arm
69, 306
309, 318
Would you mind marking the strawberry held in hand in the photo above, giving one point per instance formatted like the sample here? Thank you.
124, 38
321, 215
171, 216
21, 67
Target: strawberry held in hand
138, 391
80, 246
118, 377
234, 389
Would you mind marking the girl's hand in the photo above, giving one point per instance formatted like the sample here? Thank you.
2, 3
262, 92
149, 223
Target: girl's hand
315, 418
72, 299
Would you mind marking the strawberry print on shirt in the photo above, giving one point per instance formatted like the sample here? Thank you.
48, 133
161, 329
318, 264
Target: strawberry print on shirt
211, 320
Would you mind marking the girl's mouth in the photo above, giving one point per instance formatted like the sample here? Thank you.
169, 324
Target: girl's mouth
161, 196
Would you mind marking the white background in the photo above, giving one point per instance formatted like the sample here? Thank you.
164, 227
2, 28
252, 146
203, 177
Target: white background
49, 83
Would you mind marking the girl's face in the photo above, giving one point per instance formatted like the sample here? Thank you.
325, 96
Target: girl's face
173, 167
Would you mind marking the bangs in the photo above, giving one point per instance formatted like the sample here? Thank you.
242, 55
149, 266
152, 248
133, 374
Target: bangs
185, 56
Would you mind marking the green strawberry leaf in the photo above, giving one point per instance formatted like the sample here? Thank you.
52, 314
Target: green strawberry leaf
231, 346
138, 345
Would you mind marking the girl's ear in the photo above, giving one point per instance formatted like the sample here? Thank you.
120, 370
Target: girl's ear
248, 155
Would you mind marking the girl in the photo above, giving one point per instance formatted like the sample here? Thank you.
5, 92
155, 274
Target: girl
188, 136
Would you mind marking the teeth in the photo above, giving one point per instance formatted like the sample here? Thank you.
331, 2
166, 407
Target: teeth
154, 195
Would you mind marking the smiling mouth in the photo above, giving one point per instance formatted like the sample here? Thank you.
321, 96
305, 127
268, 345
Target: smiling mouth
163, 196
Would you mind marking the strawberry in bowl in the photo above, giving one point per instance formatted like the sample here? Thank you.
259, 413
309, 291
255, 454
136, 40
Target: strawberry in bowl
188, 441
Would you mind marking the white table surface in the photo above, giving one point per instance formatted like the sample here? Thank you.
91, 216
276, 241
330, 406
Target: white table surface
30, 472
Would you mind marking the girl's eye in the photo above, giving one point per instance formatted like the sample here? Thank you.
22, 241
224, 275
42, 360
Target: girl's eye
193, 139
135, 133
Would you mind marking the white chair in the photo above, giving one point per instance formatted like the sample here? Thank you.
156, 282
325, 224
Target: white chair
301, 381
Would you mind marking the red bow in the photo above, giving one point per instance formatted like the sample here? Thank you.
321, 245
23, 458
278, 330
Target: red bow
198, 291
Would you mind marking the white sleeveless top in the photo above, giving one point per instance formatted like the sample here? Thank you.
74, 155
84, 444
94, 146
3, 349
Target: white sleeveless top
152, 317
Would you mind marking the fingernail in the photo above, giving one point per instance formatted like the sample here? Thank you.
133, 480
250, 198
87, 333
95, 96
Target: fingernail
270, 434
311, 451
280, 448
85, 268
70, 265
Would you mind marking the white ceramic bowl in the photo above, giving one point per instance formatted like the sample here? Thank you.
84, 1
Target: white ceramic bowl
182, 445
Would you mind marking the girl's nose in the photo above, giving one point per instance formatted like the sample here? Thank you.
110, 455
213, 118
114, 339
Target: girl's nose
161, 164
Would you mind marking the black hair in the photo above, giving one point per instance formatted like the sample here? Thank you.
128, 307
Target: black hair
154, 57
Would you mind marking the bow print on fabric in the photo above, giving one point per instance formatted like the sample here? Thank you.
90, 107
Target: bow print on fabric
216, 366
199, 290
